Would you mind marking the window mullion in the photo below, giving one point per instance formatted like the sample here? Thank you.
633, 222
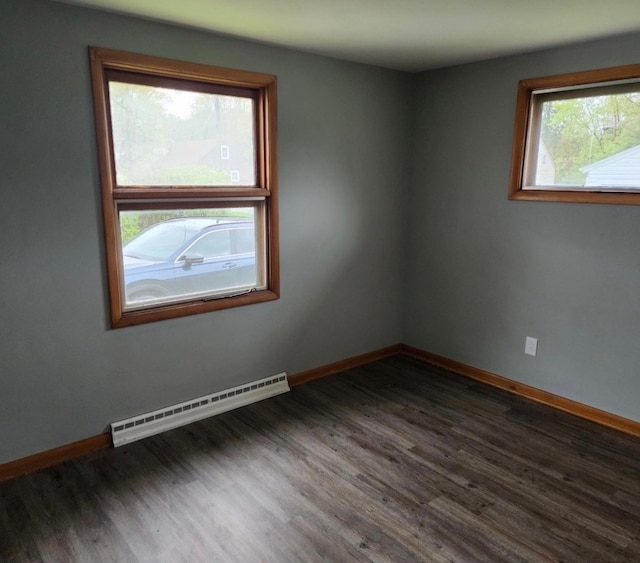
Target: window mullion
182, 192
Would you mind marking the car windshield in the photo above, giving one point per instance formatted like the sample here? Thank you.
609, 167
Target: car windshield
160, 241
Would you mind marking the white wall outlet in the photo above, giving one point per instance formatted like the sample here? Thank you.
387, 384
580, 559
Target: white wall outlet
531, 346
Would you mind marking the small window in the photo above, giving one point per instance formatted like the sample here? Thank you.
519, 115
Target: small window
577, 138
171, 213
235, 176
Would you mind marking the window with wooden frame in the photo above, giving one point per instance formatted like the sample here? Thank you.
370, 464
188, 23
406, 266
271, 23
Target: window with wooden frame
187, 156
577, 138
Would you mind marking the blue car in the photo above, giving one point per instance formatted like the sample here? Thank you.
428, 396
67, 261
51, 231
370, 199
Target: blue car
189, 257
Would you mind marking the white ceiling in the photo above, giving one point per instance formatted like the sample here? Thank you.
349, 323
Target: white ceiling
409, 35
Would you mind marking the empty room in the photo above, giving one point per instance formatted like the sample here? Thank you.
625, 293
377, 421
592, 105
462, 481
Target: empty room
341, 281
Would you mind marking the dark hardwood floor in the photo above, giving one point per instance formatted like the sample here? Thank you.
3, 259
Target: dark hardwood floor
394, 461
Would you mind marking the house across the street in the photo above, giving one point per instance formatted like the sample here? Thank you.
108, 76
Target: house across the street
622, 170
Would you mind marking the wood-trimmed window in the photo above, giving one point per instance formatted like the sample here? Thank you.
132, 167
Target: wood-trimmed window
577, 138
187, 156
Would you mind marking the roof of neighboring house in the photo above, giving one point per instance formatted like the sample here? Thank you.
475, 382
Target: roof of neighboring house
621, 169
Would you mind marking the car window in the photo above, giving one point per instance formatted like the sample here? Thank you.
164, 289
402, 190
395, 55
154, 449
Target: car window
158, 242
211, 245
245, 241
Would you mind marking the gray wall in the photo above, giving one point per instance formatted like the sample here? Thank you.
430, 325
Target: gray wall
64, 375
485, 272
376, 248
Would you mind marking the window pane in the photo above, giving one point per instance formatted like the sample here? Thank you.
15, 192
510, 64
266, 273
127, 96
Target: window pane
591, 141
175, 255
167, 137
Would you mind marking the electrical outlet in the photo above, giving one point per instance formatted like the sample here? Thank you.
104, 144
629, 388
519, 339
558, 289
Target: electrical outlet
531, 346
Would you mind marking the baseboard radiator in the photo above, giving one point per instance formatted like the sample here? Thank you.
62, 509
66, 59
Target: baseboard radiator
148, 424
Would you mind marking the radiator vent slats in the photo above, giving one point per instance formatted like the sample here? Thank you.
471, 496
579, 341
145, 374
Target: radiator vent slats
150, 423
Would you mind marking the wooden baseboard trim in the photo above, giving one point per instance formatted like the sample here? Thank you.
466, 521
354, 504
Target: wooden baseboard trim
52, 457
556, 401
46, 459
343, 365
42, 460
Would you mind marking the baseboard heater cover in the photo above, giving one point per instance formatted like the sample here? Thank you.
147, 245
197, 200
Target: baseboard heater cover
155, 422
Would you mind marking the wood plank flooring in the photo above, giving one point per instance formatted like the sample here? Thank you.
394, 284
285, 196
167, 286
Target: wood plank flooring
394, 461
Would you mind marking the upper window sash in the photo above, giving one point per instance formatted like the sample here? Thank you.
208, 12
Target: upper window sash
170, 132
110, 65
